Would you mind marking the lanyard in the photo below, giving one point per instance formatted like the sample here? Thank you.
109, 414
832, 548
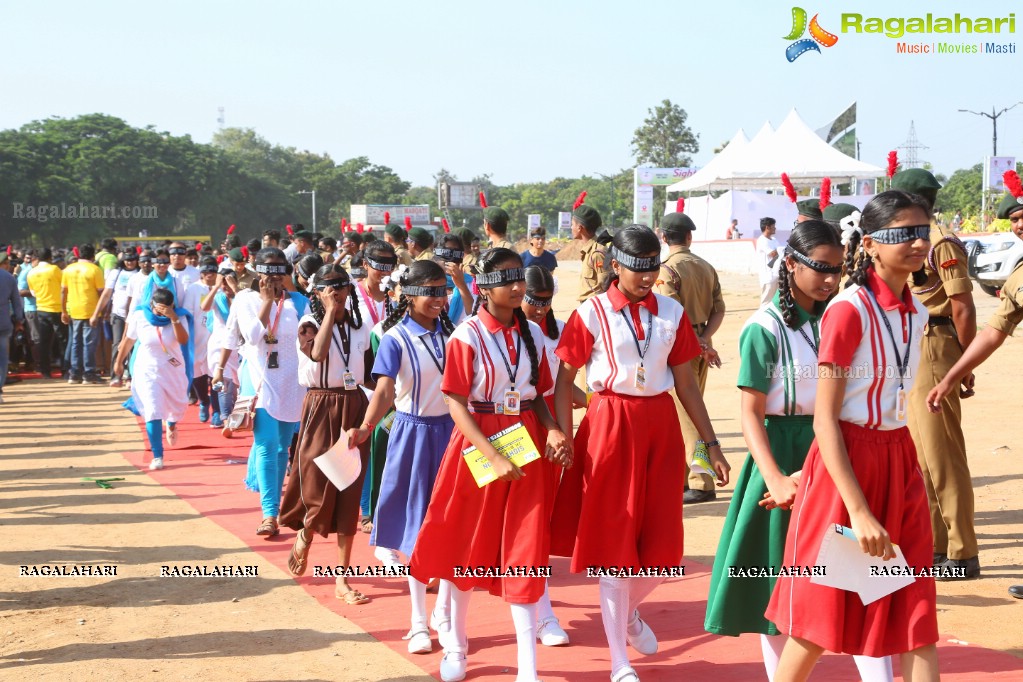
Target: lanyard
809, 341
159, 337
371, 304
504, 358
635, 336
439, 354
271, 335
344, 348
903, 363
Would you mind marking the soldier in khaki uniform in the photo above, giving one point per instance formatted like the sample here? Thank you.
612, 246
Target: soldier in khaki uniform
495, 226
421, 243
585, 223
694, 283
395, 235
940, 444
1000, 327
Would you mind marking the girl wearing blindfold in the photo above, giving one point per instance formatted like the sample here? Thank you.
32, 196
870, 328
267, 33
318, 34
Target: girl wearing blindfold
777, 377
862, 470
621, 503
494, 373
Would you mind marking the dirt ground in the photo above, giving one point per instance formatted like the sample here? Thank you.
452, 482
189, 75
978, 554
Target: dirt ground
139, 626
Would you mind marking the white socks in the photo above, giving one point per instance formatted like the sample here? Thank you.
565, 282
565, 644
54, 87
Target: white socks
772, 645
615, 612
457, 638
640, 589
524, 620
443, 606
544, 609
874, 669
417, 591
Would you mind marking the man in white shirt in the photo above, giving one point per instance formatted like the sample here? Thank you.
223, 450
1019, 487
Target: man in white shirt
184, 273
767, 256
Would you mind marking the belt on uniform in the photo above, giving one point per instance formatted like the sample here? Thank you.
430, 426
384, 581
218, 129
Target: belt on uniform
939, 321
480, 407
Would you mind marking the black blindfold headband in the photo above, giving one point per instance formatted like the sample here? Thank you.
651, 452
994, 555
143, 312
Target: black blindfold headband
449, 255
899, 235
538, 302
815, 265
498, 278
416, 290
271, 269
381, 265
635, 263
177, 251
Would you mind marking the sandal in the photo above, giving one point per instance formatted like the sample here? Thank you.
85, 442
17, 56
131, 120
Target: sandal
366, 525
268, 527
299, 554
351, 597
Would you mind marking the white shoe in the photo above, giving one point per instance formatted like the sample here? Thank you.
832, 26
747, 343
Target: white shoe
388, 557
440, 623
452, 667
156, 464
550, 633
644, 641
172, 435
626, 674
419, 641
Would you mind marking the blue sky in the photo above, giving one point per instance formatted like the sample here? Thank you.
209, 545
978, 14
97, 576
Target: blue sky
524, 90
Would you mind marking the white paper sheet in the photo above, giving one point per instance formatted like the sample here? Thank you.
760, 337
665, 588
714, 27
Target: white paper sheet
341, 464
847, 567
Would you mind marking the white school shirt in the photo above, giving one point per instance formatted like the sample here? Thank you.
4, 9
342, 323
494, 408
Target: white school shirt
214, 346
414, 357
201, 335
600, 337
854, 337
551, 346
117, 281
475, 368
373, 313
280, 394
331, 372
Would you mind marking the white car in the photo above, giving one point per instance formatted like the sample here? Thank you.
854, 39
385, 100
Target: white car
992, 258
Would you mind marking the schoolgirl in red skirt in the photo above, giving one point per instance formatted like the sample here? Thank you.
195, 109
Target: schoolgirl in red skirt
495, 374
620, 505
862, 470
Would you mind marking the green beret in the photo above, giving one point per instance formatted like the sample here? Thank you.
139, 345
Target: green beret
588, 217
395, 231
915, 181
236, 255
467, 236
497, 218
811, 208
677, 223
421, 237
302, 234
837, 212
1008, 204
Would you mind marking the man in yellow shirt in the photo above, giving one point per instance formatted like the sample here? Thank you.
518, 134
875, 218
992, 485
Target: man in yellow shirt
80, 288
44, 283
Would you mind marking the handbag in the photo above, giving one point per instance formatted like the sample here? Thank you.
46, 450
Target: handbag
242, 417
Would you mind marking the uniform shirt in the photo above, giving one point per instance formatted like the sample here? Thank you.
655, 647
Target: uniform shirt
551, 346
779, 361
117, 281
546, 259
280, 394
28, 303
475, 367
693, 282
502, 244
84, 282
591, 277
1010, 310
599, 336
469, 260
245, 279
331, 372
950, 279
425, 255
414, 357
372, 312
44, 283
854, 337
404, 257
201, 333
187, 275
766, 271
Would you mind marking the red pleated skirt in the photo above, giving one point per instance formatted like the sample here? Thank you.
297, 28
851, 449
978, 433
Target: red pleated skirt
501, 525
620, 505
885, 464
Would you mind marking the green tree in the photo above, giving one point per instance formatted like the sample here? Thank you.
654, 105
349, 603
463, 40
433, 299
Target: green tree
664, 140
961, 192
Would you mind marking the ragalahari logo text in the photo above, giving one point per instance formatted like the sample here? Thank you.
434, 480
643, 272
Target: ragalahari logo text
818, 36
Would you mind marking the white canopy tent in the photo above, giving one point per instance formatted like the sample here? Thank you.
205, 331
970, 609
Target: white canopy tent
793, 148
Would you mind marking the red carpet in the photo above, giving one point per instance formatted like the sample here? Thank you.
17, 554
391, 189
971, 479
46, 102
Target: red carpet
207, 471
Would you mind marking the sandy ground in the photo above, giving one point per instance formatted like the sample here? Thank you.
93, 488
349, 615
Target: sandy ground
139, 626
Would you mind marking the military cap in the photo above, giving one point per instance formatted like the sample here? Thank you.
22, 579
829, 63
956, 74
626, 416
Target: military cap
917, 181
677, 223
588, 217
395, 231
811, 208
421, 237
497, 217
1008, 205
835, 213
236, 255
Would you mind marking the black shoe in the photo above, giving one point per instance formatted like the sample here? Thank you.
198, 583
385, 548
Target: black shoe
939, 559
958, 569
1016, 591
696, 496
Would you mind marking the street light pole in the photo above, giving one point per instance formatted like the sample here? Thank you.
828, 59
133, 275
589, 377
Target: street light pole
994, 123
313, 192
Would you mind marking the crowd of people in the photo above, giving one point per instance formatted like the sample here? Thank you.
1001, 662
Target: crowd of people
419, 350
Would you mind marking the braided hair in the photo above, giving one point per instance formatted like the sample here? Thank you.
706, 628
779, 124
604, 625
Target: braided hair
807, 236
539, 278
634, 240
488, 262
878, 214
376, 250
353, 316
418, 274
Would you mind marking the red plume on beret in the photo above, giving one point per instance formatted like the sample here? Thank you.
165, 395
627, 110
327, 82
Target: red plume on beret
893, 163
8, 249
825, 193
198, 246
408, 223
290, 231
790, 191
579, 200
483, 200
138, 250
358, 228
344, 224
680, 205
444, 222
230, 230
1012, 183
75, 251
245, 252
387, 217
